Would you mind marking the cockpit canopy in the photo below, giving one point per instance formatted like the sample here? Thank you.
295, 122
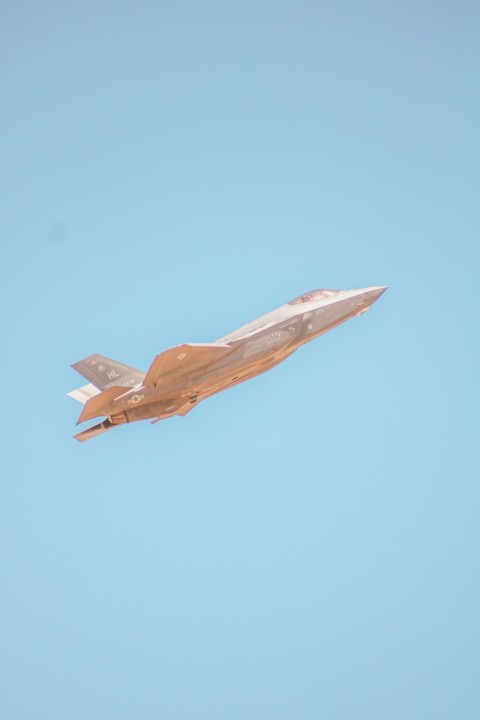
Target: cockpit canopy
314, 295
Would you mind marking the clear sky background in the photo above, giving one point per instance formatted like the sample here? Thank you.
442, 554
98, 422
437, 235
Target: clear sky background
305, 545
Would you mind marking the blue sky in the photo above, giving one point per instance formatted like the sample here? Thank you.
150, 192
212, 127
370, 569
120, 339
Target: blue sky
304, 545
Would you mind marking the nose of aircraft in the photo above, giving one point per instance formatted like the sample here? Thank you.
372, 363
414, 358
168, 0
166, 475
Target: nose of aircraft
373, 293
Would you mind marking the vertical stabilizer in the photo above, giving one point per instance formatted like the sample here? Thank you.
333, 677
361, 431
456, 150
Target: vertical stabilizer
103, 372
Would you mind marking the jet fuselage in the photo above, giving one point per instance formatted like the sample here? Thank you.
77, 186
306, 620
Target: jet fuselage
183, 376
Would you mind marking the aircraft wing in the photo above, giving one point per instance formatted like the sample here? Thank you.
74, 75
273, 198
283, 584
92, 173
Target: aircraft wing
185, 358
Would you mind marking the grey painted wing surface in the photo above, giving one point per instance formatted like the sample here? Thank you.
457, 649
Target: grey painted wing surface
104, 372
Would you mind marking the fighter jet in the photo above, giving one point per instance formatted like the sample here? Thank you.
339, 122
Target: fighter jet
179, 378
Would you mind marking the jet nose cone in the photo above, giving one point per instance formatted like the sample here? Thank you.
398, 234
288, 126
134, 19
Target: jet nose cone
374, 293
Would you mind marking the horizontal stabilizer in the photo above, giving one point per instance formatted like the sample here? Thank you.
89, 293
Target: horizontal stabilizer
185, 358
94, 431
98, 405
103, 372
84, 393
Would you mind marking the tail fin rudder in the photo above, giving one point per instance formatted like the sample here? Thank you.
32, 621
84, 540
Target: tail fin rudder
104, 372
